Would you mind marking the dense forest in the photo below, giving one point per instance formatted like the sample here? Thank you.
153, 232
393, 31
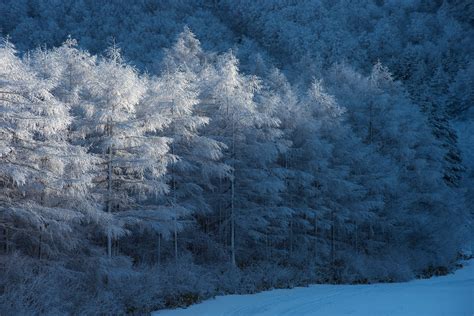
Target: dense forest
154, 153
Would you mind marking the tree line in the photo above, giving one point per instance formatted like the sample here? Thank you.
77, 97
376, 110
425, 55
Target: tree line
204, 165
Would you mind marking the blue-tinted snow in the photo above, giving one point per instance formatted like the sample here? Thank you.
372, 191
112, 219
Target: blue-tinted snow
451, 295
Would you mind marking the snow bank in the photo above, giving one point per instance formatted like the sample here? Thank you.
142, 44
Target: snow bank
451, 295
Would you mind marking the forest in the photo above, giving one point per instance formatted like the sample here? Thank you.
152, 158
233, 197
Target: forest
155, 153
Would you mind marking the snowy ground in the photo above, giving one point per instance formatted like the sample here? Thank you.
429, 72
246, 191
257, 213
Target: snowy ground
451, 295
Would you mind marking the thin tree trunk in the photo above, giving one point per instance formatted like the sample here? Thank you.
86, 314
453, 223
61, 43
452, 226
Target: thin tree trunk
333, 245
232, 225
266, 246
40, 244
159, 249
315, 238
5, 238
291, 237
370, 123
109, 193
175, 240
290, 204
356, 237
221, 191
232, 215
333, 237
173, 188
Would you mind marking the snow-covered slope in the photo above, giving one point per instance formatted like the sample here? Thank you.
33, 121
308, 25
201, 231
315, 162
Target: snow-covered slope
451, 295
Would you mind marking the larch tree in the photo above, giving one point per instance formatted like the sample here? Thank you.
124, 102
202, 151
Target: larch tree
123, 134
384, 117
45, 179
252, 141
198, 157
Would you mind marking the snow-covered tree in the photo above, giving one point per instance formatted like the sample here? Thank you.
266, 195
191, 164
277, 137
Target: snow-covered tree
383, 115
185, 159
45, 179
135, 157
250, 132
196, 155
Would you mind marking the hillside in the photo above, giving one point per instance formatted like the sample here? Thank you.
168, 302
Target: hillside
156, 153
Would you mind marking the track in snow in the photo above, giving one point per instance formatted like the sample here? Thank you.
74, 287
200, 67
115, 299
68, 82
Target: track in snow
451, 295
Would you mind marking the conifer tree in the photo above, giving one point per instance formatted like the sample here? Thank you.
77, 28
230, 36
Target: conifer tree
45, 179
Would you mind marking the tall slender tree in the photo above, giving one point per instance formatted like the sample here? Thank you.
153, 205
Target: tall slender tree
45, 179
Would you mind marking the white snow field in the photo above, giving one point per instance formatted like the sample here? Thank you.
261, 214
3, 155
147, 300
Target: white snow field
451, 295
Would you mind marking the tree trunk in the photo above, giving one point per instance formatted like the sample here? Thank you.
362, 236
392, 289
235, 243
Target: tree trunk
232, 214
356, 237
291, 237
173, 187
371, 132
159, 249
267, 246
221, 239
333, 239
175, 240
232, 224
315, 238
109, 193
333, 243
5, 239
40, 243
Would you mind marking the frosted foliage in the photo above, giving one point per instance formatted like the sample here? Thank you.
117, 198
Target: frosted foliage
157, 153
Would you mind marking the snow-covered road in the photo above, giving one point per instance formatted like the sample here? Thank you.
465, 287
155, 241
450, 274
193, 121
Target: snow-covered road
451, 295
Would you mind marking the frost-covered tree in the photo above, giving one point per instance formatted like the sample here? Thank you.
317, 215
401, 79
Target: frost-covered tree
250, 132
45, 179
196, 156
135, 157
185, 54
69, 68
349, 182
383, 115
351, 177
